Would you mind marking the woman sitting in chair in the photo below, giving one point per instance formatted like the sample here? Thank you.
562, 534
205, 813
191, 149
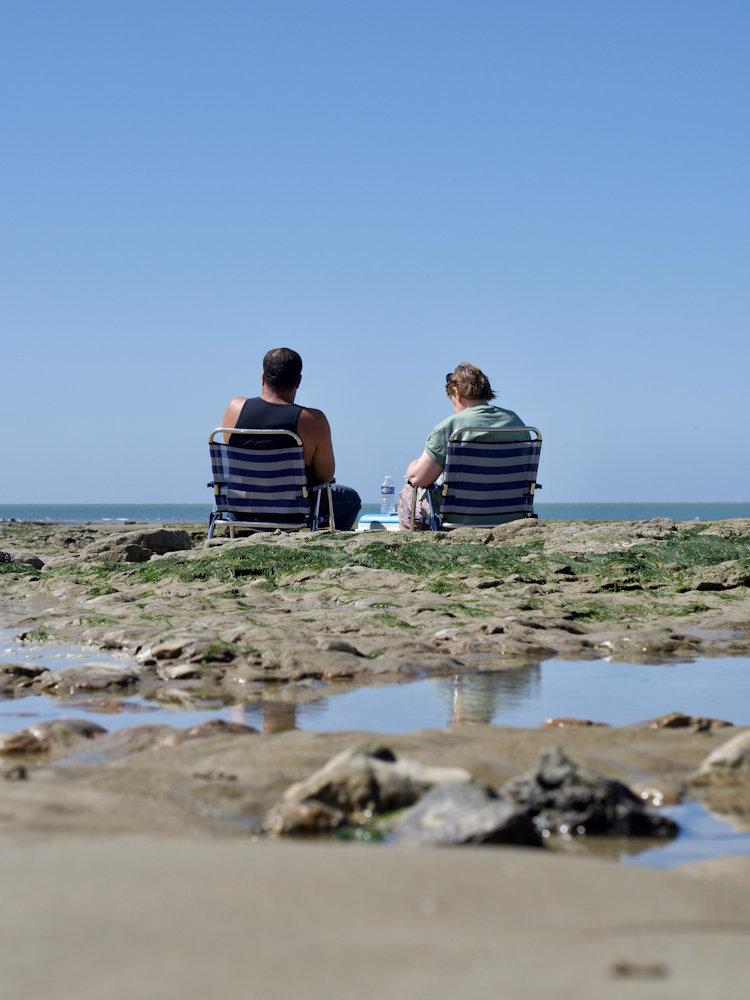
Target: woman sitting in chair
471, 395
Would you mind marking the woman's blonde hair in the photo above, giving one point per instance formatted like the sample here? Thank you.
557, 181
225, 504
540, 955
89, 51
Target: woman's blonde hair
470, 382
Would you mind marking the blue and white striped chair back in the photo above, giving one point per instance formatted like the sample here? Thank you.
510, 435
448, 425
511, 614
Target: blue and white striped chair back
261, 482
489, 479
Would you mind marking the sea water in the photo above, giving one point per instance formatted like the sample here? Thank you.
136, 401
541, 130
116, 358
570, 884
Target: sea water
197, 513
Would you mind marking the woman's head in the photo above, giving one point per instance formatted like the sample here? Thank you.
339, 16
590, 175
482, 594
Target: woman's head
470, 383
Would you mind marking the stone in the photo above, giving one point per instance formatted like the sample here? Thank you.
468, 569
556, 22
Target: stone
568, 798
139, 546
27, 559
123, 742
193, 649
465, 812
363, 781
89, 677
563, 723
303, 819
728, 761
178, 671
19, 675
24, 558
16, 773
724, 576
336, 645
23, 741
66, 732
214, 727
676, 720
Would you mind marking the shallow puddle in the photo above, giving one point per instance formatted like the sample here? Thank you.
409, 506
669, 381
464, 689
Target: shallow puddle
55, 655
614, 693
703, 835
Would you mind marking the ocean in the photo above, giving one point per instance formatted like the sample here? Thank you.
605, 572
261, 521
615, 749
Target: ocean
198, 512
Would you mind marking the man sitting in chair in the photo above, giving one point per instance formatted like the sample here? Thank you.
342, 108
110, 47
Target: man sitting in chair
275, 409
471, 395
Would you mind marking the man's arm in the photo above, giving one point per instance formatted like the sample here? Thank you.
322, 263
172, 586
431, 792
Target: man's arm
315, 431
232, 414
423, 471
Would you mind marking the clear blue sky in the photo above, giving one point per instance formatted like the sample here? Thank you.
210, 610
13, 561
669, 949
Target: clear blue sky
556, 191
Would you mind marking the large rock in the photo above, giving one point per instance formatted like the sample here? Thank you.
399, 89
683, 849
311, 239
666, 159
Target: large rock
21, 742
566, 797
139, 546
24, 558
731, 760
723, 576
363, 781
465, 813
198, 649
17, 676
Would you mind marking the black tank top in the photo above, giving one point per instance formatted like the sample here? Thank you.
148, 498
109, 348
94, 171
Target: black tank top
257, 414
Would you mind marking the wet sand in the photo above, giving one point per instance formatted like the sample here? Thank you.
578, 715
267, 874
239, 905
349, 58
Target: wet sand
121, 918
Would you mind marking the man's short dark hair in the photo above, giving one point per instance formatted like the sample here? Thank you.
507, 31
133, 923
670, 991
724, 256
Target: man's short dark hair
282, 369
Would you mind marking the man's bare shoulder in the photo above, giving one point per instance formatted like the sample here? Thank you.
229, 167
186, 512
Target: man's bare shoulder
233, 410
313, 417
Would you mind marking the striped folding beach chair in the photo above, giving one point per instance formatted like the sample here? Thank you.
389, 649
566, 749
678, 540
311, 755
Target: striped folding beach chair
485, 479
266, 485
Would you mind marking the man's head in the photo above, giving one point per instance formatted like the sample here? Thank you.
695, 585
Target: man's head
282, 370
468, 383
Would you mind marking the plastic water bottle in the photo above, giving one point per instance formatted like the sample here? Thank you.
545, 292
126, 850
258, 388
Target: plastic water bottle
387, 496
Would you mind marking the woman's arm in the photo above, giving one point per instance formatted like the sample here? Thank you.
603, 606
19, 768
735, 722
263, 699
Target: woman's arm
423, 471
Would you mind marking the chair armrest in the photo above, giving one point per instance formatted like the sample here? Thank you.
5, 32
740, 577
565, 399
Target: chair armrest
321, 486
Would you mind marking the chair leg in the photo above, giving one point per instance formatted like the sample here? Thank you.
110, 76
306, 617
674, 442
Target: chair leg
316, 514
331, 516
434, 517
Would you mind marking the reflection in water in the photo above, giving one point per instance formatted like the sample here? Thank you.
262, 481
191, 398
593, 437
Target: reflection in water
477, 697
268, 716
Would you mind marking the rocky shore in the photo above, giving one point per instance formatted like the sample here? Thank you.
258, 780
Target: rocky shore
289, 610
185, 625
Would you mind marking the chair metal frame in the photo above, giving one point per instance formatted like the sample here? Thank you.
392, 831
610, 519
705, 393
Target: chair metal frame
312, 520
437, 523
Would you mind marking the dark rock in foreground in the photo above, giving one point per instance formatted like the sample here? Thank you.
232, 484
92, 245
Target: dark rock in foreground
465, 813
566, 797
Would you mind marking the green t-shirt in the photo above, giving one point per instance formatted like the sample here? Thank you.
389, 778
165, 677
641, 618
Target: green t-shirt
485, 415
